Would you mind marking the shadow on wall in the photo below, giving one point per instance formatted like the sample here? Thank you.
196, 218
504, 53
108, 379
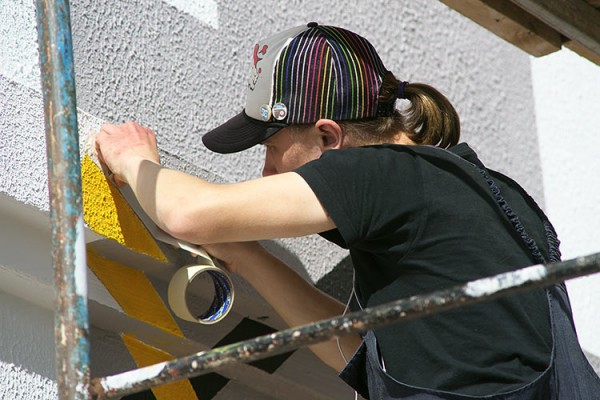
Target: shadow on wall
338, 282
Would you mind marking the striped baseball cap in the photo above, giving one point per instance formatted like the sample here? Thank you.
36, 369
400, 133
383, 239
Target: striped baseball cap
300, 76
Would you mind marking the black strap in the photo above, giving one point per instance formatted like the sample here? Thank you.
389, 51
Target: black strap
551, 236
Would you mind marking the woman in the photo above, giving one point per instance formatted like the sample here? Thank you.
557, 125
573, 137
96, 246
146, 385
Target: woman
417, 211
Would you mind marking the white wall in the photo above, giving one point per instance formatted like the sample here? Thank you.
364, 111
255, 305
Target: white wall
567, 107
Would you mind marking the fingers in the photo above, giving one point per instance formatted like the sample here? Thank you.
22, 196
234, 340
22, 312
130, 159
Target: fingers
129, 128
129, 133
95, 145
121, 147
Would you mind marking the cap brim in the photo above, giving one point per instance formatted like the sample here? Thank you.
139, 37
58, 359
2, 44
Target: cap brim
239, 133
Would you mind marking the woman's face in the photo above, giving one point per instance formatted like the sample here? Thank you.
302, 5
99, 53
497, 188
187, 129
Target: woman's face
286, 151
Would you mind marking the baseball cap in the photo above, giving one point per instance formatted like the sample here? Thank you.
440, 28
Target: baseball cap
300, 76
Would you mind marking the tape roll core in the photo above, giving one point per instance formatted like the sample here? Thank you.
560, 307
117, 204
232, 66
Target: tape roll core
222, 301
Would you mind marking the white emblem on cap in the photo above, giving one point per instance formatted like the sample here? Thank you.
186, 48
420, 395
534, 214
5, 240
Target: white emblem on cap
265, 112
279, 111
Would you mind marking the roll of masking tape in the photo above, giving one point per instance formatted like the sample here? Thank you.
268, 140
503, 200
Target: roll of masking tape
223, 294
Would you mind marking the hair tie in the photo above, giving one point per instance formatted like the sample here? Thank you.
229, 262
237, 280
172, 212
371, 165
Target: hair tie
400, 93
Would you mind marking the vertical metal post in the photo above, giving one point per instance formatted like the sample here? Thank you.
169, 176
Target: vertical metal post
71, 326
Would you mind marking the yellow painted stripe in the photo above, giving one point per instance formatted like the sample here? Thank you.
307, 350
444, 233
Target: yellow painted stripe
107, 213
133, 291
145, 355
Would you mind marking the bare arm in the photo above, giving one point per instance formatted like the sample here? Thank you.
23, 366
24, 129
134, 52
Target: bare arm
193, 209
201, 212
297, 301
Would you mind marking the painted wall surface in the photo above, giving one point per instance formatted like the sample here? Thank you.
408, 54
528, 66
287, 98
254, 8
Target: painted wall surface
181, 67
567, 109
26, 350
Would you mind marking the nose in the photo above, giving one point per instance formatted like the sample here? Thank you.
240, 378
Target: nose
269, 167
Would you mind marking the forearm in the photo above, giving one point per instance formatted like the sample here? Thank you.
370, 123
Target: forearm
165, 194
198, 211
297, 301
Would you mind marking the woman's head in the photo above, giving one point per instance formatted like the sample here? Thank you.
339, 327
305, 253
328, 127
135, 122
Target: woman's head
315, 72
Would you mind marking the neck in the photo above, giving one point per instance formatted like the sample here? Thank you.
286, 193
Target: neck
398, 138
402, 138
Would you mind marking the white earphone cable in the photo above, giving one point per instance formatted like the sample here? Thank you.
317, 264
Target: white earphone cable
337, 340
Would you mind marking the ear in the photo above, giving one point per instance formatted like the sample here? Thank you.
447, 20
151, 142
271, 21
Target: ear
331, 134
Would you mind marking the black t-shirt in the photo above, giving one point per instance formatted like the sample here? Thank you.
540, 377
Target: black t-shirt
417, 219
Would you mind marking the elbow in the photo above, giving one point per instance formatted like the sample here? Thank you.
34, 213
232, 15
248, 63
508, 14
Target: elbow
174, 222
194, 223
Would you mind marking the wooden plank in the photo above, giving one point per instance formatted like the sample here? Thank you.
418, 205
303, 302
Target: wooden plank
575, 19
583, 51
511, 23
593, 3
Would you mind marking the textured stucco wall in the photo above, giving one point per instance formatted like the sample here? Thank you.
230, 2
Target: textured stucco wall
567, 99
180, 67
182, 75
24, 327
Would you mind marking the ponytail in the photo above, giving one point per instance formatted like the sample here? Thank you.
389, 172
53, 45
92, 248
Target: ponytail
429, 118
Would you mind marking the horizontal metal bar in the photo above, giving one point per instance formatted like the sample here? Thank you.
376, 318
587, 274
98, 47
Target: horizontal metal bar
480, 290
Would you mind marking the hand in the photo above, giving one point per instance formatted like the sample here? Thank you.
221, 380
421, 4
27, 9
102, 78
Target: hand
121, 148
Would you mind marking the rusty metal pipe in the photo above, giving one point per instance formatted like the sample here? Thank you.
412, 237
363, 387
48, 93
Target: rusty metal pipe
476, 291
71, 326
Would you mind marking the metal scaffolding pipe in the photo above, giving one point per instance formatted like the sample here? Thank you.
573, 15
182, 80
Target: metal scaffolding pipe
476, 291
71, 326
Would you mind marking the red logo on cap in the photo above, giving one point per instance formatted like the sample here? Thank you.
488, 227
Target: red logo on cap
262, 51
255, 72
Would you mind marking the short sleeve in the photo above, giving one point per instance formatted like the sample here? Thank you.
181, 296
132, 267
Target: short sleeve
369, 192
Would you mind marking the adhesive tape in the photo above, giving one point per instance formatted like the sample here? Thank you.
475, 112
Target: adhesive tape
222, 301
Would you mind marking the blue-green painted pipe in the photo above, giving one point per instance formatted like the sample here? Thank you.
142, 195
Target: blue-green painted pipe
71, 324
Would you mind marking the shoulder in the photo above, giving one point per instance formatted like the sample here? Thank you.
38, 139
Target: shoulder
362, 163
359, 164
366, 155
365, 189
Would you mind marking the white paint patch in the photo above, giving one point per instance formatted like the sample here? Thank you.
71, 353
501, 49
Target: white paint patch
18, 43
124, 380
88, 126
203, 10
16, 382
80, 260
487, 286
